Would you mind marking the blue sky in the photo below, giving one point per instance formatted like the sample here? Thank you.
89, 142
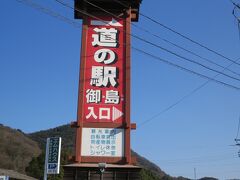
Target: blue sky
39, 70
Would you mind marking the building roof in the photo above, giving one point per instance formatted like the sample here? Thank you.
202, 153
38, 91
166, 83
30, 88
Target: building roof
15, 175
96, 165
83, 8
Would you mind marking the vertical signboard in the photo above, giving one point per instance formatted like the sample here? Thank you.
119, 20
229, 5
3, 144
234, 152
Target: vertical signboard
53, 152
104, 87
104, 103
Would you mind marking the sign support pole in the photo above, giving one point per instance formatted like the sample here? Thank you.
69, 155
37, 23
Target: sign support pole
128, 88
46, 160
81, 89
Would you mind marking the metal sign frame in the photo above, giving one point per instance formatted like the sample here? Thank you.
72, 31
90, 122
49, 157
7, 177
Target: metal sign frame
53, 155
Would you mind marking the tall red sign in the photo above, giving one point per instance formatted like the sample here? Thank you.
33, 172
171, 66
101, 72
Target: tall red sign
103, 133
104, 87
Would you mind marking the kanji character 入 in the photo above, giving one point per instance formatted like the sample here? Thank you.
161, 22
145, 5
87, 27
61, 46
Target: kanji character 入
91, 113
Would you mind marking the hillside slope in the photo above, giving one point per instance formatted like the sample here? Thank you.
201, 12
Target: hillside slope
16, 149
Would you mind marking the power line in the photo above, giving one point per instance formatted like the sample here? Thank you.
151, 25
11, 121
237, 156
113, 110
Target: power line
148, 54
192, 92
153, 44
182, 99
183, 68
164, 49
238, 129
49, 12
165, 40
25, 0
183, 36
186, 59
236, 6
175, 65
155, 57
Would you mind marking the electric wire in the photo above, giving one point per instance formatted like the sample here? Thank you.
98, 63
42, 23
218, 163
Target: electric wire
53, 14
185, 58
153, 44
183, 36
183, 68
145, 53
182, 99
236, 139
164, 39
177, 66
73, 23
64, 19
171, 52
236, 6
49, 12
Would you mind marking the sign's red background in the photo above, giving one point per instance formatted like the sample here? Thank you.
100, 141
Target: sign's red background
120, 64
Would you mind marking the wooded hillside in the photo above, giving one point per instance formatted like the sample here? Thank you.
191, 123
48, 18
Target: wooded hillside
16, 149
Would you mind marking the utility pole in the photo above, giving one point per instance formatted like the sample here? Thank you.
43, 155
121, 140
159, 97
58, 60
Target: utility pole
195, 174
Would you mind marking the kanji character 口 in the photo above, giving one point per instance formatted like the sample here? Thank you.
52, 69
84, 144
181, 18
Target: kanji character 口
104, 113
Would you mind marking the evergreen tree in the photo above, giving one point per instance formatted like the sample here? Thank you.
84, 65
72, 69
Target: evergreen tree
36, 167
